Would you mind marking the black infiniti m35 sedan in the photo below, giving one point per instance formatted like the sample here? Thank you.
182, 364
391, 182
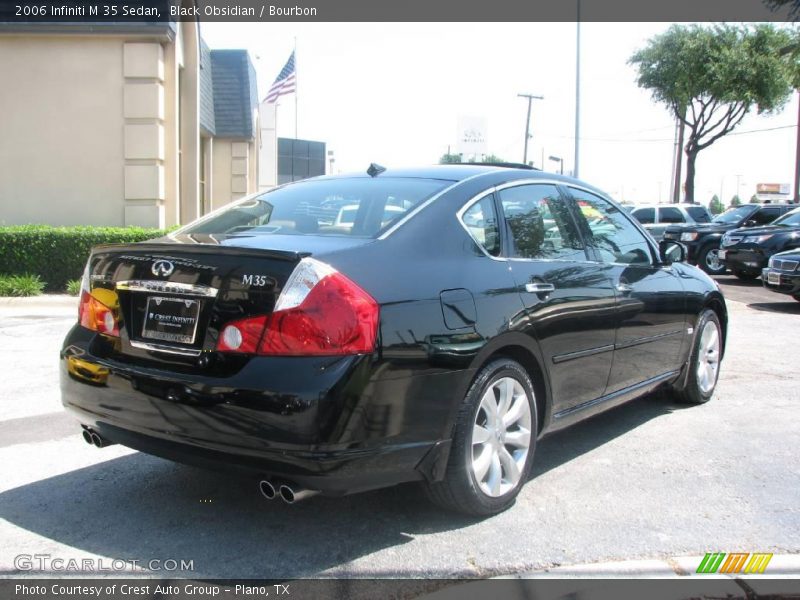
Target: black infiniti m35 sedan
348, 333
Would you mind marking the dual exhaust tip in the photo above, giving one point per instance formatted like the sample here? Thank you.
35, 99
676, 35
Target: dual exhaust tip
288, 492
93, 438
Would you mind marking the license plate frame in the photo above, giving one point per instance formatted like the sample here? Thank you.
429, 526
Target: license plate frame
177, 321
773, 278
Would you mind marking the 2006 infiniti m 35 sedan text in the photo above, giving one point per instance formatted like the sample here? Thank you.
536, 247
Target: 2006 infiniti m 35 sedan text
456, 315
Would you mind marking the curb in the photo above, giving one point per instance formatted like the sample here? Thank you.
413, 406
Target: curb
43, 301
780, 566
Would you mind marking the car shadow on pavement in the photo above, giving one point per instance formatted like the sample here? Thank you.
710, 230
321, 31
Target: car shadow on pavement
139, 508
790, 308
563, 446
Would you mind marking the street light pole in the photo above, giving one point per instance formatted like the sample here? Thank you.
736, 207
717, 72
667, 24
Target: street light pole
560, 162
530, 98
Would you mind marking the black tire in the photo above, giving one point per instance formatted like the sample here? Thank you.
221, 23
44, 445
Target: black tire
706, 261
692, 392
459, 490
746, 276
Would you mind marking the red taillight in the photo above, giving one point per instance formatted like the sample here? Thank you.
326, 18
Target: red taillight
97, 316
319, 313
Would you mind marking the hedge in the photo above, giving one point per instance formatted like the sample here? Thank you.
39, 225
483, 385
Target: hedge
58, 254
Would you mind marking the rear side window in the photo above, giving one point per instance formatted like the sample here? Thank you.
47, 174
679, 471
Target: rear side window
645, 216
358, 207
699, 214
670, 214
540, 224
480, 220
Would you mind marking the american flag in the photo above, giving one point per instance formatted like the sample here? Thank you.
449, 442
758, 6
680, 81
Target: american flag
285, 82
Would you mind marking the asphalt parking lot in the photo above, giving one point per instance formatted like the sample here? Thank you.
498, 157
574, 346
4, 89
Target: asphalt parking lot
651, 479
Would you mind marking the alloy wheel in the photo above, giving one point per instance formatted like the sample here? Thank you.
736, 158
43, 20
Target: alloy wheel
708, 357
501, 437
712, 260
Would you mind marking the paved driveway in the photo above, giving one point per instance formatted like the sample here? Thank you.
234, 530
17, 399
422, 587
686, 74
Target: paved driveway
651, 479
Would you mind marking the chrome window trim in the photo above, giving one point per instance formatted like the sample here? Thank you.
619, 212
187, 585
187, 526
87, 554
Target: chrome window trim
497, 188
460, 217
166, 349
167, 287
417, 209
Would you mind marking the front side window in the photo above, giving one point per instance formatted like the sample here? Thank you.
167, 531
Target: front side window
790, 219
613, 236
699, 214
480, 220
670, 214
358, 207
540, 224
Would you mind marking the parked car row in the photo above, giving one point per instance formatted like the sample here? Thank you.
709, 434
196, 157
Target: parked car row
703, 236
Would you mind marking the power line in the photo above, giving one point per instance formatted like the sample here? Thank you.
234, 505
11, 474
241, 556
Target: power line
647, 140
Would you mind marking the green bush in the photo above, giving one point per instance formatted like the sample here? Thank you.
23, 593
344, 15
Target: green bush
73, 287
58, 254
20, 285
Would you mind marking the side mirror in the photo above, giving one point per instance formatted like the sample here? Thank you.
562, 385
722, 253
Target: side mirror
671, 252
750, 223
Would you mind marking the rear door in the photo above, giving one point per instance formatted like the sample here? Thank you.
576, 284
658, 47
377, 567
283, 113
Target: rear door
650, 318
568, 299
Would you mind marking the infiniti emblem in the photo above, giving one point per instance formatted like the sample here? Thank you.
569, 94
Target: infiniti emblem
162, 268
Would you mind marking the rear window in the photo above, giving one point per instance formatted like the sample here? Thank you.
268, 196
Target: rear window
358, 207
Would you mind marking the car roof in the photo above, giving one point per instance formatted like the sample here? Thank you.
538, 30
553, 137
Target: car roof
450, 172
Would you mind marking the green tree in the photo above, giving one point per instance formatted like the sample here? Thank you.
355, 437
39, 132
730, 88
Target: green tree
449, 159
492, 158
736, 201
716, 206
711, 77
753, 198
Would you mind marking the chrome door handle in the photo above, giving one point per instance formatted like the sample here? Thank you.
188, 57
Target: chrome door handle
539, 288
624, 288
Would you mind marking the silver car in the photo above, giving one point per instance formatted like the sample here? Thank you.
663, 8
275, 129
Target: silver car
656, 218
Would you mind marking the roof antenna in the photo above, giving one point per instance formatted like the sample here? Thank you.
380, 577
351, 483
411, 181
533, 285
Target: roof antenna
375, 169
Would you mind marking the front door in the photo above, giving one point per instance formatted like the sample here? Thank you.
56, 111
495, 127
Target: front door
650, 298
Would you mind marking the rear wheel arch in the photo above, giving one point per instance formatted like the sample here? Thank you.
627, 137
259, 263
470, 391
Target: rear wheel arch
521, 349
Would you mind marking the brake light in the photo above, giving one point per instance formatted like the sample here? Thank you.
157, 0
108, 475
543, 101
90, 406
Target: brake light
320, 312
96, 315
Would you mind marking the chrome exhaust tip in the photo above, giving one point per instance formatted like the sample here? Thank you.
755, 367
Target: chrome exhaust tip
291, 495
267, 489
97, 440
87, 437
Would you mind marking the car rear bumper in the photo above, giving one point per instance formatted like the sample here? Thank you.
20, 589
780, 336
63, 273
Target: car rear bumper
748, 260
325, 424
781, 282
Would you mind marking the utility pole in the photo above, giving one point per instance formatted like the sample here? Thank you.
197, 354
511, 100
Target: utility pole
797, 156
676, 191
530, 98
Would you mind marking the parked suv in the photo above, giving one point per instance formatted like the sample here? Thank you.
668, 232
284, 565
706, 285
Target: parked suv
703, 240
746, 251
656, 219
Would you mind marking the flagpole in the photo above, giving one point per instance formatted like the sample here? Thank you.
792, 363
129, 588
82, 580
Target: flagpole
295, 87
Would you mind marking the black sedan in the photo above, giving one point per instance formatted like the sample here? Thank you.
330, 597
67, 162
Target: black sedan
746, 251
460, 314
782, 274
